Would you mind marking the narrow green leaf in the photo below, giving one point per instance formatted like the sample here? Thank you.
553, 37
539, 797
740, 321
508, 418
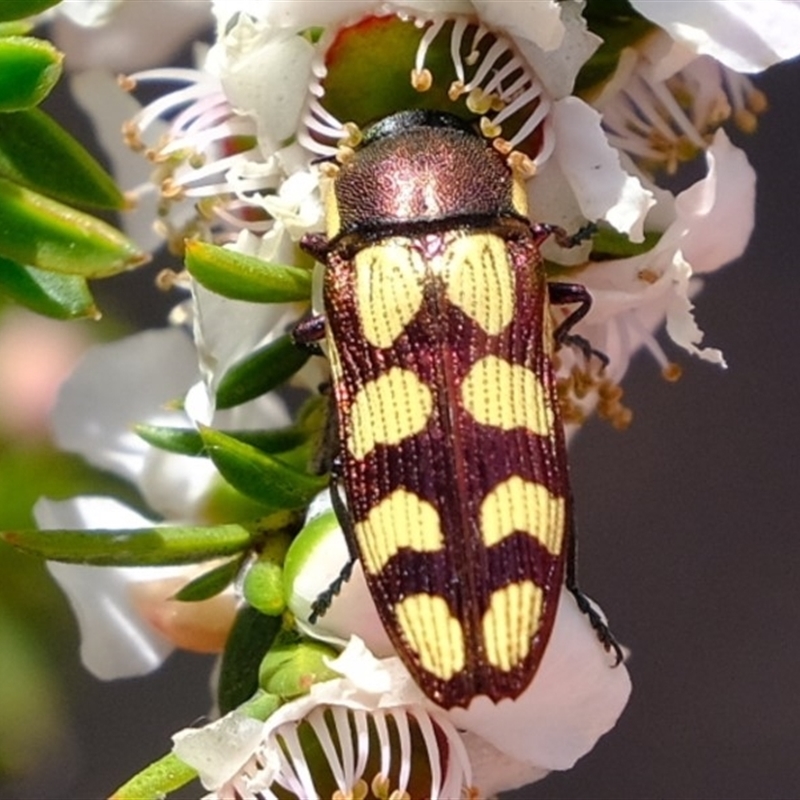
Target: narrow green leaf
29, 69
41, 232
47, 293
210, 583
251, 636
135, 547
243, 277
156, 781
37, 153
18, 9
20, 27
188, 442
260, 476
262, 371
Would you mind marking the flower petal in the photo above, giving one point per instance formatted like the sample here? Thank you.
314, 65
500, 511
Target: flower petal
576, 696
592, 168
116, 641
552, 37
123, 382
747, 36
718, 211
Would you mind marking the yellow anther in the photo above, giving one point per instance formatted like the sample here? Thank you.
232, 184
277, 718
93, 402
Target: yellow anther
345, 155
421, 79
489, 129
131, 135
757, 101
478, 102
648, 275
168, 279
503, 146
380, 786
672, 372
328, 169
745, 120
353, 135
609, 391
170, 190
457, 88
521, 164
126, 83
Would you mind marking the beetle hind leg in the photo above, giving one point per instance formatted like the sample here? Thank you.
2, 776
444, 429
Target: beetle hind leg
325, 598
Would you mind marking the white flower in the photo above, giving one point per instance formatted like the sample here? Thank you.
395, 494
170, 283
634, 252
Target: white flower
134, 34
712, 222
123, 383
745, 35
128, 618
575, 697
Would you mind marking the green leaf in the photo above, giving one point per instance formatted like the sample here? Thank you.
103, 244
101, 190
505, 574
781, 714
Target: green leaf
263, 588
210, 583
608, 243
20, 27
47, 293
291, 668
263, 583
251, 636
43, 233
37, 153
156, 781
17, 9
29, 69
243, 277
260, 476
188, 442
262, 371
137, 547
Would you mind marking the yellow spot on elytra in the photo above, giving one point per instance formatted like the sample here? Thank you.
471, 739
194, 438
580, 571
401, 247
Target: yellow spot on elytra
520, 505
400, 520
387, 410
433, 633
480, 280
510, 622
388, 290
333, 221
496, 392
519, 195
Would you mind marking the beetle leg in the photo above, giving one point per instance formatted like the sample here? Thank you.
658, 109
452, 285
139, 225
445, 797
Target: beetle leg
315, 244
325, 598
568, 293
309, 332
543, 230
595, 620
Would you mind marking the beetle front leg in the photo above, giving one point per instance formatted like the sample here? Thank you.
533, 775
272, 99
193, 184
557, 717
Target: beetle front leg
309, 332
568, 294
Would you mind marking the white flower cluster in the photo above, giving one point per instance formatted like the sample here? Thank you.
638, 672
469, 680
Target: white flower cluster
262, 85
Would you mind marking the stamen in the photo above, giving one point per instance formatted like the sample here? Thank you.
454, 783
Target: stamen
427, 39
456, 38
502, 85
